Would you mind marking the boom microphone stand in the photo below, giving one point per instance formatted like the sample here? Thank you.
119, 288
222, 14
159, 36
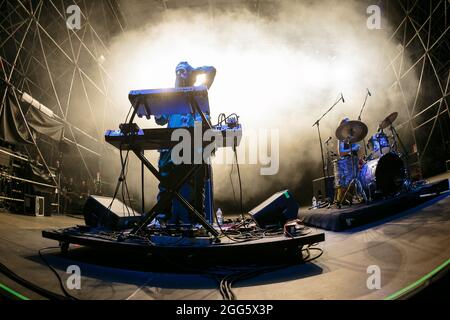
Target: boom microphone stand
317, 123
368, 94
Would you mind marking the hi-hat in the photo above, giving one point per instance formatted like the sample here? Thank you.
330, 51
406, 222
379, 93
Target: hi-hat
389, 120
352, 131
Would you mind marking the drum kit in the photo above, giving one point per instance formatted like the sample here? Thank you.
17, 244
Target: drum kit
381, 173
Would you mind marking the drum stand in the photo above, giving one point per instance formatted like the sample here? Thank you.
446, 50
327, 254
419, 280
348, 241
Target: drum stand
359, 191
396, 138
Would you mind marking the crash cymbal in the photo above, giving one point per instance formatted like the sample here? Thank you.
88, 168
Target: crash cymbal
352, 131
389, 120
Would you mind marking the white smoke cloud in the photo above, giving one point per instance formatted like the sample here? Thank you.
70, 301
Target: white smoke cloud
280, 72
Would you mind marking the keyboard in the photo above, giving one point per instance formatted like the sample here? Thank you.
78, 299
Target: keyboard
169, 101
161, 138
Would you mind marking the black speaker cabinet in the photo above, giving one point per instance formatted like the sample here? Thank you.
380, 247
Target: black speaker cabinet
98, 214
276, 211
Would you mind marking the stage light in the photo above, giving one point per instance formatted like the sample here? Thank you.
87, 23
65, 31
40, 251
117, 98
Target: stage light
101, 60
201, 80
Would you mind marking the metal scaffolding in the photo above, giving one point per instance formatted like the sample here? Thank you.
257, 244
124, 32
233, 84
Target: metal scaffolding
62, 69
421, 27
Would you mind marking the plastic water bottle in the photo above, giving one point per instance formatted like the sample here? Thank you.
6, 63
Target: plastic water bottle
219, 217
314, 203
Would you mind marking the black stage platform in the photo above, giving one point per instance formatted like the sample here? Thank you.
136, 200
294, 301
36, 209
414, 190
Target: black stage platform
277, 248
335, 219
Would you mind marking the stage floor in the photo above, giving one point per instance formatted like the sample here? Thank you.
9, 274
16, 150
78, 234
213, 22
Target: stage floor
406, 247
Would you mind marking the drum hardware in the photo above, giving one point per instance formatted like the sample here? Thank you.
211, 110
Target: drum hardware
352, 132
380, 142
382, 172
329, 158
388, 123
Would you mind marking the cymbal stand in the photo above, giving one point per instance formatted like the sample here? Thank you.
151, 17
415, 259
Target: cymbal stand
381, 133
396, 138
328, 157
359, 119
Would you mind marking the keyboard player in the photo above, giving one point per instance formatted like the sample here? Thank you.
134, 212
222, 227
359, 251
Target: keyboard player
194, 190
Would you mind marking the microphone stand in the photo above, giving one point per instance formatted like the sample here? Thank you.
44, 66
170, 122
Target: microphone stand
328, 157
359, 119
317, 123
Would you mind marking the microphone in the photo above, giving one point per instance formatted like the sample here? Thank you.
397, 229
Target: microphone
342, 97
326, 142
369, 92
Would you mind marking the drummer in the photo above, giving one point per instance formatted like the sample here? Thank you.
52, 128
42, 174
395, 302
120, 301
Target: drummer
345, 169
345, 149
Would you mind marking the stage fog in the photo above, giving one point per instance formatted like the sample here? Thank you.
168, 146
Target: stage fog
280, 72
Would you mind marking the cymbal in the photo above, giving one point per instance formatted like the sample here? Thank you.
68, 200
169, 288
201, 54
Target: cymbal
389, 120
352, 131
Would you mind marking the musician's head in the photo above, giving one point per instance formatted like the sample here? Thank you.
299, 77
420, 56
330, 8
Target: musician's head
345, 120
183, 70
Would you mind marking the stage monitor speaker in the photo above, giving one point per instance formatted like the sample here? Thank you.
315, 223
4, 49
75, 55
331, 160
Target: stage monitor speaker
119, 217
318, 188
276, 211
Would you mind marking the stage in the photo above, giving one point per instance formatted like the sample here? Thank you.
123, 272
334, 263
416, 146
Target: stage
335, 219
406, 246
198, 251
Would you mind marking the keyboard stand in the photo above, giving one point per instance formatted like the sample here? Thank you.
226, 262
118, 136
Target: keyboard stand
173, 191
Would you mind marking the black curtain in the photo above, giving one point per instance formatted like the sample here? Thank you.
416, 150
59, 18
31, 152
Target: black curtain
13, 129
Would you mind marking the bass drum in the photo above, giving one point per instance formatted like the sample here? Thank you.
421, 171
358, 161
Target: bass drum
385, 176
